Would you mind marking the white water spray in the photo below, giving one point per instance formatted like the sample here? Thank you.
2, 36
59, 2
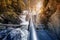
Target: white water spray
24, 22
34, 36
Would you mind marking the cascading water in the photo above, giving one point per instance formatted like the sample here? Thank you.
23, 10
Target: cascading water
12, 33
32, 29
19, 33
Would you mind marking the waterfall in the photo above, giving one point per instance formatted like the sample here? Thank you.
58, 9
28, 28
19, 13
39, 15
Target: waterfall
33, 32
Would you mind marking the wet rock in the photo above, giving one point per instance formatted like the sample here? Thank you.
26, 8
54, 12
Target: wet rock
9, 12
54, 24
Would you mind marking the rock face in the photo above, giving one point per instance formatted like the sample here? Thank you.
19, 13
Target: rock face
50, 16
9, 11
54, 22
